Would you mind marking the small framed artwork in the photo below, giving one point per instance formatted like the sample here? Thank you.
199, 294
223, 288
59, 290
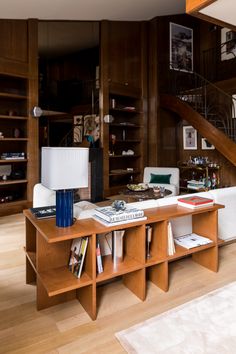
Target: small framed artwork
206, 145
181, 47
189, 138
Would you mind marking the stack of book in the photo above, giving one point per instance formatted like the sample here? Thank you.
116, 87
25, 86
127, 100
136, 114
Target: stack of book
196, 185
192, 240
13, 156
109, 216
77, 255
195, 202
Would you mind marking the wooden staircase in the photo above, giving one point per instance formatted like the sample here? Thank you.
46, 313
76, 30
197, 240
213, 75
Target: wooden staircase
212, 133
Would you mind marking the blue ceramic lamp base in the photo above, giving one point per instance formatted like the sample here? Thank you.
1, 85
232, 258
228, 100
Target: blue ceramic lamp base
64, 207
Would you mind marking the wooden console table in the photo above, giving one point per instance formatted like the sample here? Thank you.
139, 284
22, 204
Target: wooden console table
48, 250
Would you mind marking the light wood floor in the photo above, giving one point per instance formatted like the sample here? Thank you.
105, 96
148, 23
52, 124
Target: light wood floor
66, 328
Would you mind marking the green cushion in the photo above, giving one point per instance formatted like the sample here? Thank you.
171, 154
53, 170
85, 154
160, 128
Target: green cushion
160, 178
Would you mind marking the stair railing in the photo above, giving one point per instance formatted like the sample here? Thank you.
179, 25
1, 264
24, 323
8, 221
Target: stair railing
214, 104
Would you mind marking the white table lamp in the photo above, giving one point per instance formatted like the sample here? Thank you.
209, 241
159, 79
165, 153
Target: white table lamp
64, 169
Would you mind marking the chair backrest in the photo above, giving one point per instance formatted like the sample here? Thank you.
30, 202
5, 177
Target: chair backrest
174, 171
43, 196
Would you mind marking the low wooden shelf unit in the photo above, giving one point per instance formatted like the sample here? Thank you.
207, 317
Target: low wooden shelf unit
48, 250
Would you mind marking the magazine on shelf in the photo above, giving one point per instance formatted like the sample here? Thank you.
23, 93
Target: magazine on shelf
74, 254
111, 215
99, 258
44, 212
191, 240
107, 223
195, 202
82, 252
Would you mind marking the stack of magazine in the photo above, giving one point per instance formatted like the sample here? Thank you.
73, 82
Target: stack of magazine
191, 240
109, 216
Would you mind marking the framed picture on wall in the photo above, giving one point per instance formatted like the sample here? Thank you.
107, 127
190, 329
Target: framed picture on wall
181, 47
206, 145
189, 138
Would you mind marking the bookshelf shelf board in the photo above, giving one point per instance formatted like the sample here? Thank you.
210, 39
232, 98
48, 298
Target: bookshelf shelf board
13, 160
13, 96
13, 203
13, 117
14, 139
124, 156
125, 125
60, 280
155, 260
127, 266
16, 181
123, 173
181, 251
125, 110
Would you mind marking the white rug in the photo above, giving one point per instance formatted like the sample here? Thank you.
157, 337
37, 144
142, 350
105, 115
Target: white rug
206, 325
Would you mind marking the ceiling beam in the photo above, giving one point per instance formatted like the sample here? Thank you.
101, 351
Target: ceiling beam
194, 8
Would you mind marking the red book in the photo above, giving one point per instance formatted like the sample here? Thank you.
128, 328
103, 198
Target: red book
195, 202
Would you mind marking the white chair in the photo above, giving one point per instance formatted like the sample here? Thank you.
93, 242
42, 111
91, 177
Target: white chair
167, 177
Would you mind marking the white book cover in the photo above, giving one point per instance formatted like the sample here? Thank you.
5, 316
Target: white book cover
192, 240
109, 224
111, 215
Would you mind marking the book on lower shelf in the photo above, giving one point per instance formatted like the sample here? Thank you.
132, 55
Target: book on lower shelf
77, 255
191, 240
99, 258
111, 215
171, 244
194, 202
109, 224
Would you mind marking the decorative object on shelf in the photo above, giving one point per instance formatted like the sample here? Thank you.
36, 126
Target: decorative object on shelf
108, 118
189, 138
128, 152
1, 135
117, 247
64, 169
5, 170
119, 205
16, 133
181, 47
206, 145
